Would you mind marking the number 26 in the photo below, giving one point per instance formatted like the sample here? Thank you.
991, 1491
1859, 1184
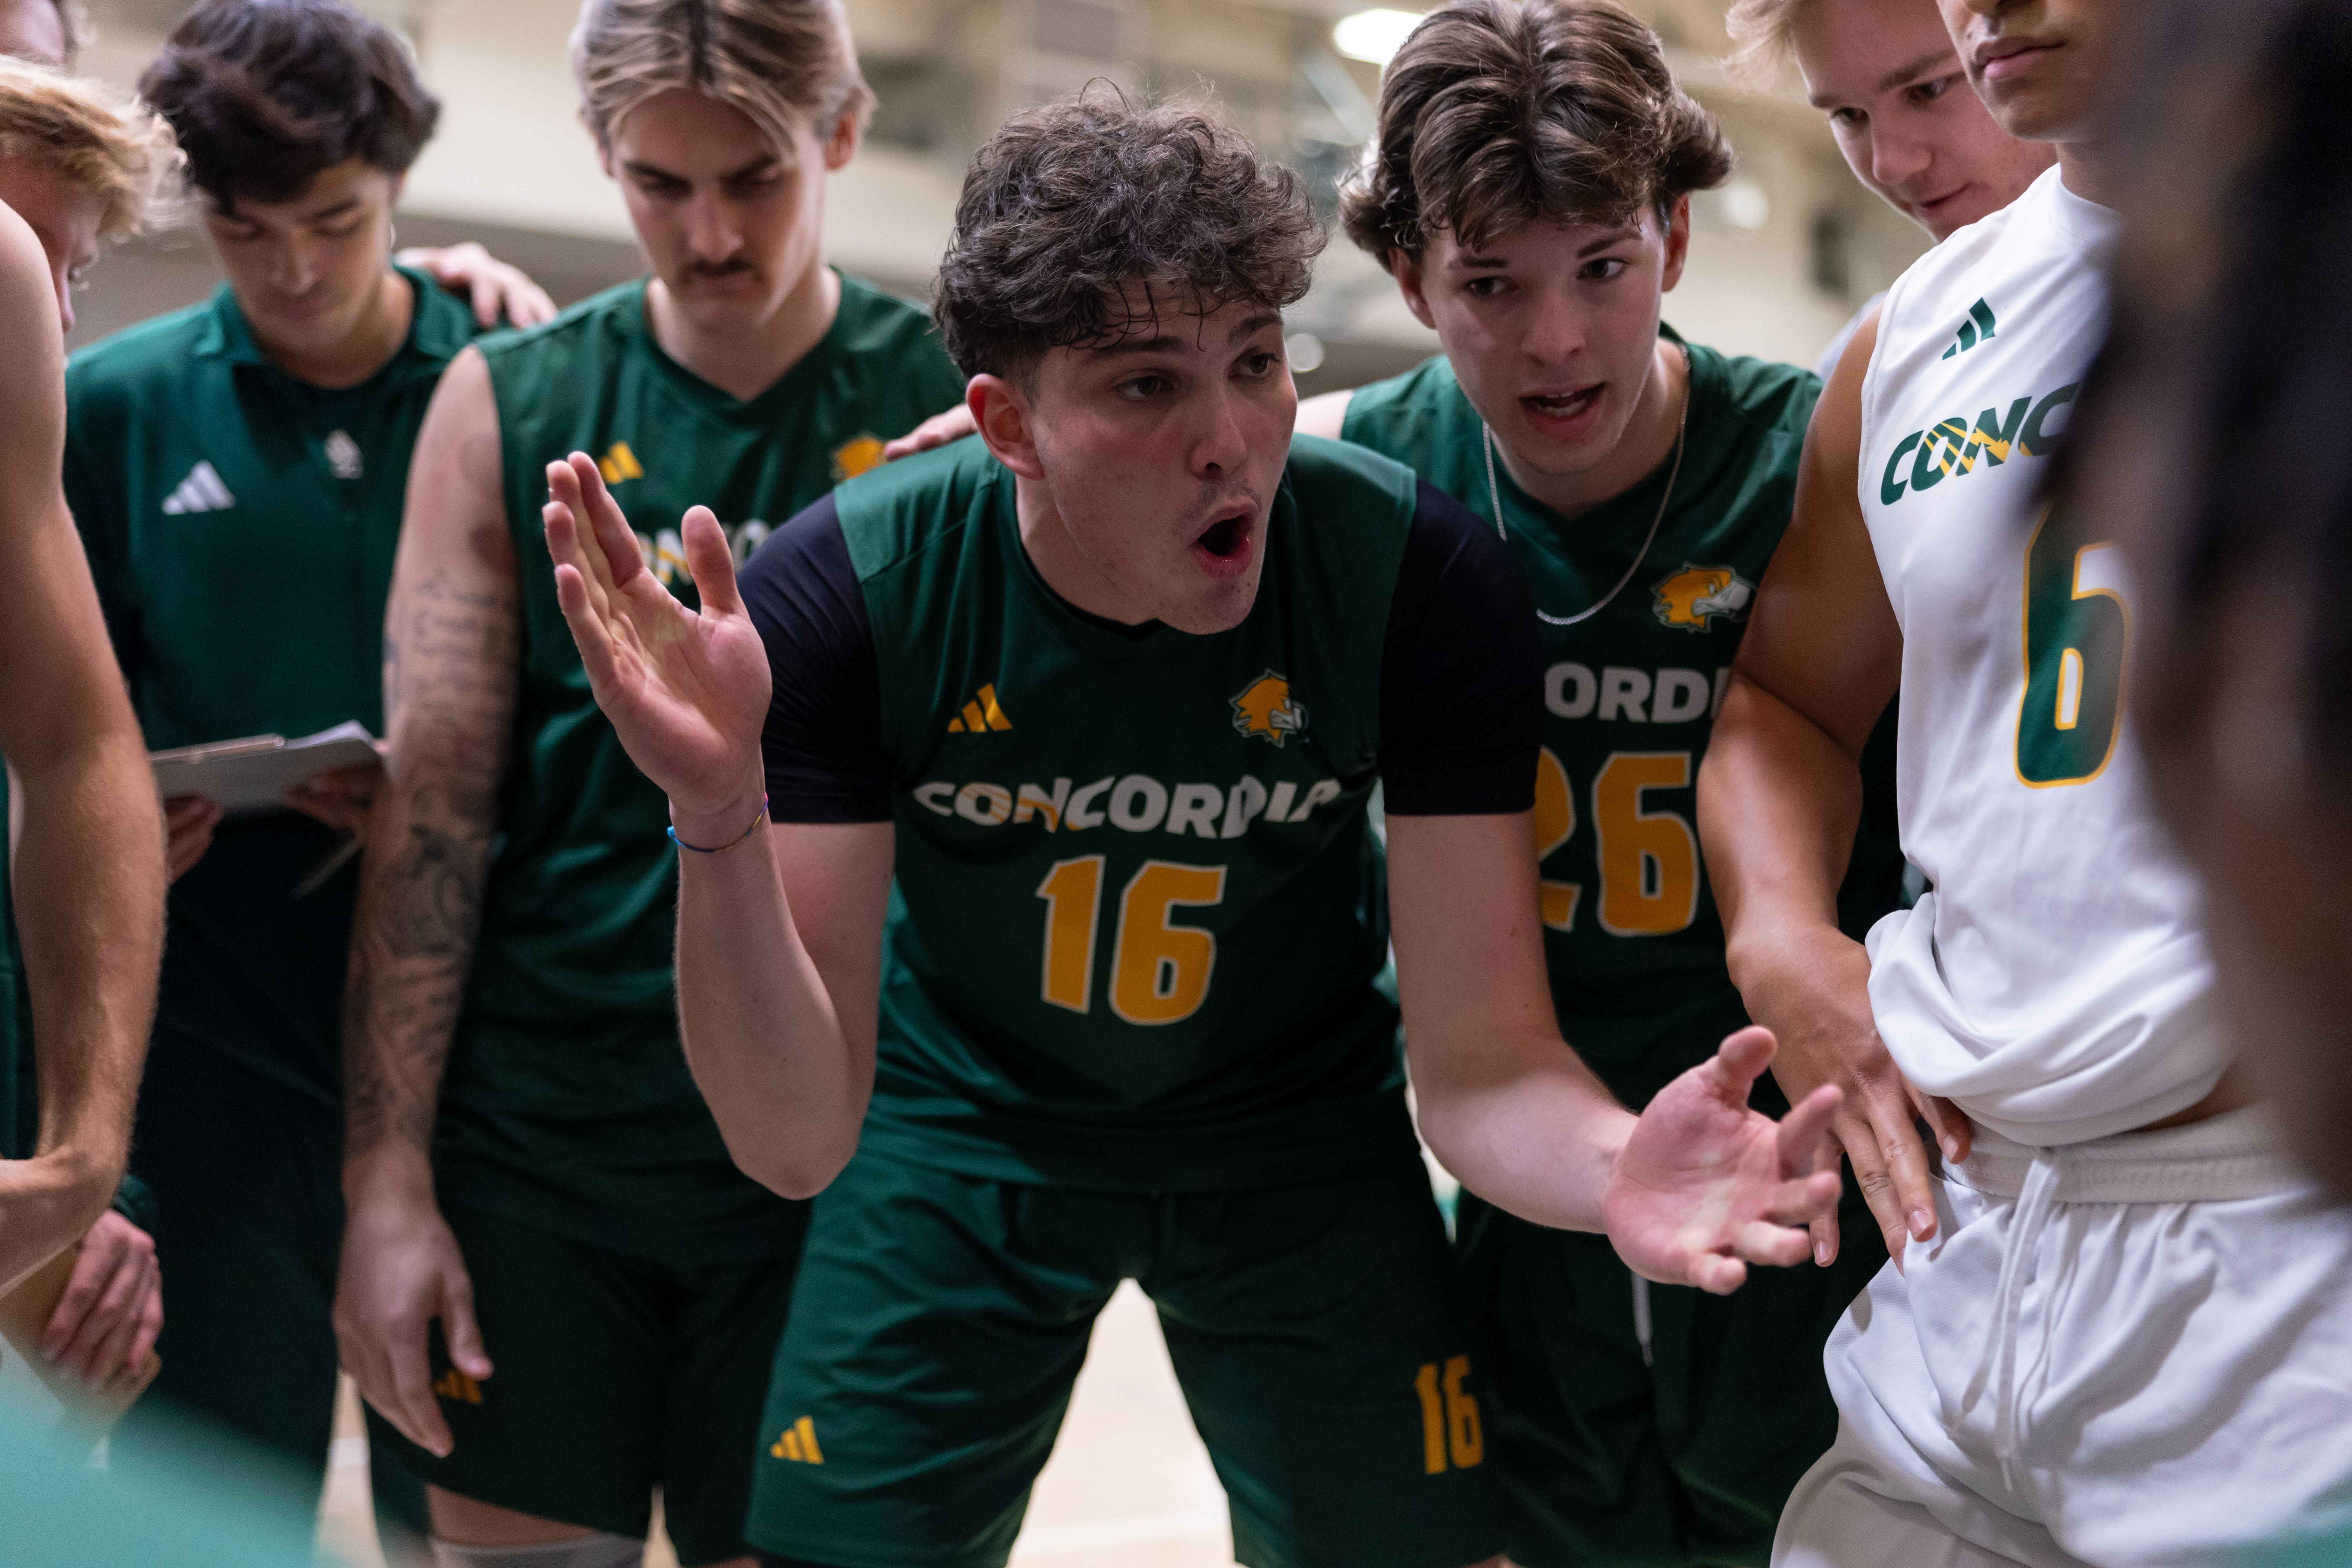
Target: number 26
1649, 859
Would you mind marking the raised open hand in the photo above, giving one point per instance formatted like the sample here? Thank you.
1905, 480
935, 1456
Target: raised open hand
686, 691
1706, 1187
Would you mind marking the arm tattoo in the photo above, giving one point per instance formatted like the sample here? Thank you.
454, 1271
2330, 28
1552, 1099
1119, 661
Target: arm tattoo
449, 668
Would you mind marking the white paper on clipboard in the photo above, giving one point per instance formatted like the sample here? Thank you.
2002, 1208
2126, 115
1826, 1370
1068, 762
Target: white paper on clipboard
254, 774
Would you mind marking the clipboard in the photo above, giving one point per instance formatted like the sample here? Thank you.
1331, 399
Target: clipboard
24, 1313
254, 774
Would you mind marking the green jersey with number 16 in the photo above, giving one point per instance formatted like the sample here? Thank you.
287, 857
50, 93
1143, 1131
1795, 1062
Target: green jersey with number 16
1632, 684
1139, 903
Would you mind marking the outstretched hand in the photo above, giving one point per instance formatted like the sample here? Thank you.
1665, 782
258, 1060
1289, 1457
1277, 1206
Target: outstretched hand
1706, 1187
687, 691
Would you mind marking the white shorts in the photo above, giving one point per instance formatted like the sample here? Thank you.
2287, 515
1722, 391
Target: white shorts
2136, 1350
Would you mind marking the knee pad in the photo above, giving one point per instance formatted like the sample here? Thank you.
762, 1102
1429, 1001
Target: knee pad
588, 1551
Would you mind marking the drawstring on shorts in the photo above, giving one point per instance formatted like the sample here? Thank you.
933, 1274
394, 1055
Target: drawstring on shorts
1999, 1366
2235, 1155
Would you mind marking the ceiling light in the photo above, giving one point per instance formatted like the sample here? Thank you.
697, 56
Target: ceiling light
1373, 36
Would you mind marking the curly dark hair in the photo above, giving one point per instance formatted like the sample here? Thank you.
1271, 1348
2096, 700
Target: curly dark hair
265, 94
1085, 218
1497, 113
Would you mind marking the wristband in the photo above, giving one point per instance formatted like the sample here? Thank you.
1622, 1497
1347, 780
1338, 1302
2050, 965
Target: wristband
730, 844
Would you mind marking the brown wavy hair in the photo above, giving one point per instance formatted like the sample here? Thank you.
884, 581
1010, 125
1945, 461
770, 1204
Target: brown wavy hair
1085, 219
1497, 113
266, 95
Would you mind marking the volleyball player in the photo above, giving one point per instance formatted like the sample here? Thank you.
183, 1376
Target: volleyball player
528, 1160
2115, 1332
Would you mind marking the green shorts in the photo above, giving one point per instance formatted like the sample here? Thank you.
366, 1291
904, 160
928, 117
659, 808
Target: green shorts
1317, 1331
617, 1374
1681, 1452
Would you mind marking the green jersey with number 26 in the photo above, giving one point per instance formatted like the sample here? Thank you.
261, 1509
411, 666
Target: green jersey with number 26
1631, 691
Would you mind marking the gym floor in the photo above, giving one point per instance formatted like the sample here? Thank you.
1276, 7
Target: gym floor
1128, 1486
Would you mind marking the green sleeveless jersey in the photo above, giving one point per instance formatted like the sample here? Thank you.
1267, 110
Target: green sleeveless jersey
1139, 904
567, 1102
240, 524
1632, 937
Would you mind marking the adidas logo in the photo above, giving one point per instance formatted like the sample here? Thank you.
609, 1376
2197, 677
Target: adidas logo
619, 464
799, 1443
980, 713
456, 1384
1979, 326
201, 490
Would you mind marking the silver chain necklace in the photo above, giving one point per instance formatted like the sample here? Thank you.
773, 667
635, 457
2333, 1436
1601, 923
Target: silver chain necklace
1494, 493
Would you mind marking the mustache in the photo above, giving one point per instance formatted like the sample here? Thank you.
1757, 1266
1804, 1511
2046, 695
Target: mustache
1215, 499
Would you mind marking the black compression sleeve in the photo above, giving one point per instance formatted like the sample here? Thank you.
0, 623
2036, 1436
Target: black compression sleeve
1462, 672
823, 744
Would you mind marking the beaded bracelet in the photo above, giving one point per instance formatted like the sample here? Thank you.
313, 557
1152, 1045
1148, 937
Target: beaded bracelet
730, 844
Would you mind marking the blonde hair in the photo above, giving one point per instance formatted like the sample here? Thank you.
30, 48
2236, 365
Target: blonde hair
114, 148
1764, 32
783, 63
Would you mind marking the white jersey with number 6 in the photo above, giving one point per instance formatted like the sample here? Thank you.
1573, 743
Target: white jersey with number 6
2054, 981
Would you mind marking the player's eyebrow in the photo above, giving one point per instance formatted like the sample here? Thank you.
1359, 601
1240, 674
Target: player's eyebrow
348, 204
1902, 75
760, 165
1502, 263
1169, 342
1166, 342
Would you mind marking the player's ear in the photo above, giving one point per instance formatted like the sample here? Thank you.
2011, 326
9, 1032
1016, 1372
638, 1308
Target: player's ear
1406, 271
842, 145
1677, 243
1006, 420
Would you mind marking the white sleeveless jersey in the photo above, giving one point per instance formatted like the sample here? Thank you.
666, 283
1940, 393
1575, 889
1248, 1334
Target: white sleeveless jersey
2054, 981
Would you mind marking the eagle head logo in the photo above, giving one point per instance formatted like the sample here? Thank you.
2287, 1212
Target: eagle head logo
1694, 597
1264, 709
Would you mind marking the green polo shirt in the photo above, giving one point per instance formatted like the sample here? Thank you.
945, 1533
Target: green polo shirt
240, 524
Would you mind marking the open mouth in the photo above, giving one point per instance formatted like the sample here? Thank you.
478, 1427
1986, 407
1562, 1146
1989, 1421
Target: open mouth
1227, 536
1563, 405
1225, 542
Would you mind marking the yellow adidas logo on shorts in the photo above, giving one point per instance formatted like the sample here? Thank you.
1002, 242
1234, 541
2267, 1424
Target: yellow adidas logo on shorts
456, 1384
799, 1443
